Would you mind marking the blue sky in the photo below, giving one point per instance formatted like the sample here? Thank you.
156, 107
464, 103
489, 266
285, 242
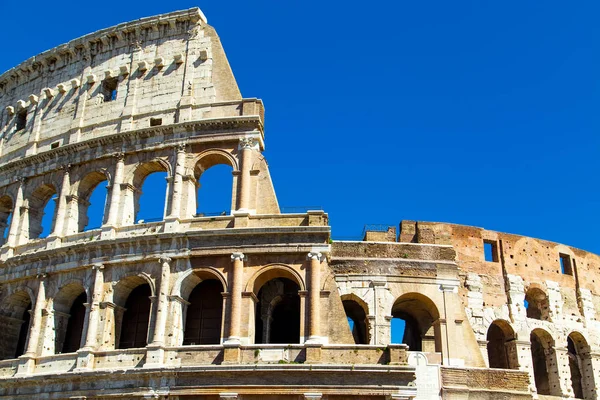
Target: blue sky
475, 112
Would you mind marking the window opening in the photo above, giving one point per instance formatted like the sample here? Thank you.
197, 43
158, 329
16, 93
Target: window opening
214, 192
55, 145
109, 89
152, 198
277, 318
204, 314
23, 332
75, 325
357, 320
21, 121
155, 121
134, 327
565, 264
48, 217
490, 250
95, 208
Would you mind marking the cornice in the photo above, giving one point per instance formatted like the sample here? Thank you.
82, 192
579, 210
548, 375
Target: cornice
120, 31
216, 125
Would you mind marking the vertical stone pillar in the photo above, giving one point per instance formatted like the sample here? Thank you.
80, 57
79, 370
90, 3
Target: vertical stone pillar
13, 231
559, 372
115, 191
178, 182
235, 302
27, 360
94, 314
162, 302
314, 296
61, 203
245, 147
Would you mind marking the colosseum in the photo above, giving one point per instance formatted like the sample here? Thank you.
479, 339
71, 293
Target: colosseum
253, 303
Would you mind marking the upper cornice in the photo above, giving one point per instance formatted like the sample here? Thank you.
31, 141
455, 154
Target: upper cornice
87, 41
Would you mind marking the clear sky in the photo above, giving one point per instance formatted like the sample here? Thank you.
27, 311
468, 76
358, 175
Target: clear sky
475, 112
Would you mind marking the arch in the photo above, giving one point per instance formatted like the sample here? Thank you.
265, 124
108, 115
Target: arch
272, 271
356, 311
204, 317
69, 317
6, 212
205, 162
212, 157
580, 364
501, 347
544, 363
188, 280
536, 303
138, 179
134, 333
15, 318
86, 189
419, 314
278, 312
126, 284
37, 202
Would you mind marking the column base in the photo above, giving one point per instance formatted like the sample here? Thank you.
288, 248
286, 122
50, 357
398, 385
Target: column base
53, 242
85, 360
26, 365
172, 224
155, 356
109, 232
232, 353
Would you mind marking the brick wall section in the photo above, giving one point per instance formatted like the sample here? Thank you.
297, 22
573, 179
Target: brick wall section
491, 379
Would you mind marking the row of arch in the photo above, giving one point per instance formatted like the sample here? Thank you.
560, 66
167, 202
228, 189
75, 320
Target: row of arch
130, 311
88, 202
503, 353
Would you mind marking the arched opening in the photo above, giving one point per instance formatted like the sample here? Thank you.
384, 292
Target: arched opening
151, 198
15, 316
204, 314
215, 191
136, 318
42, 207
75, 325
6, 210
501, 347
418, 314
278, 312
580, 364
536, 303
92, 201
357, 319
69, 318
544, 363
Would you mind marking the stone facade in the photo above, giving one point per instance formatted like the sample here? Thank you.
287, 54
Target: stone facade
255, 303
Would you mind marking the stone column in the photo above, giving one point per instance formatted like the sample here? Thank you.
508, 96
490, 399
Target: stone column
94, 315
115, 191
235, 302
36, 323
162, 302
61, 203
15, 222
245, 147
178, 182
314, 297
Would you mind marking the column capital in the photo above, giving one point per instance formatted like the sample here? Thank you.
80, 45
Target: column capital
21, 179
238, 256
248, 143
164, 259
181, 147
120, 156
314, 256
97, 267
41, 277
66, 168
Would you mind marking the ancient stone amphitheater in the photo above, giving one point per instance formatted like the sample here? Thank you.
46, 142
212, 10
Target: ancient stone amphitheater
256, 303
